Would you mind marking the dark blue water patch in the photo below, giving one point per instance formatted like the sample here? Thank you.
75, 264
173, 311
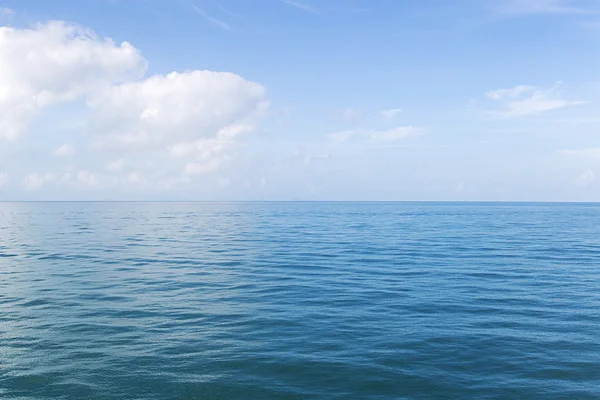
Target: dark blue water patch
299, 301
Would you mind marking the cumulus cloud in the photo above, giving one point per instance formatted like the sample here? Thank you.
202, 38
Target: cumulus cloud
53, 63
523, 100
194, 117
378, 136
175, 107
189, 122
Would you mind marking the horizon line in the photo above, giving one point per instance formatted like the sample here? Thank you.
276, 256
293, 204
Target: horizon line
308, 201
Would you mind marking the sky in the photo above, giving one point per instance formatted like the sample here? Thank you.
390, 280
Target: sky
463, 100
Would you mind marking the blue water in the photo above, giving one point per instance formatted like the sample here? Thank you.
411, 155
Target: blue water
299, 301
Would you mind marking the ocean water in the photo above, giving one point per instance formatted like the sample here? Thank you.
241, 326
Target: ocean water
299, 301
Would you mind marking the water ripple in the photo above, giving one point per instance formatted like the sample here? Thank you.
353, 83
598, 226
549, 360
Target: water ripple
299, 301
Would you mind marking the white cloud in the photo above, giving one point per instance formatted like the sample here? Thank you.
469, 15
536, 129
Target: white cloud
6, 11
539, 7
162, 127
585, 179
390, 114
65, 150
378, 136
522, 100
512, 93
163, 110
4, 179
36, 180
196, 118
53, 63
89, 178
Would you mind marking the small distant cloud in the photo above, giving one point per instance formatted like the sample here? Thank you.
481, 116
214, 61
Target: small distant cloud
585, 178
390, 114
65, 150
35, 180
6, 11
512, 93
350, 114
583, 153
524, 100
4, 179
88, 178
301, 6
378, 136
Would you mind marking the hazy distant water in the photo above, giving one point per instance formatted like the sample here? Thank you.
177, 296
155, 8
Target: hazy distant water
299, 301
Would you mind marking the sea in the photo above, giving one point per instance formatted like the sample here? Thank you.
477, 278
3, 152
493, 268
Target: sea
299, 300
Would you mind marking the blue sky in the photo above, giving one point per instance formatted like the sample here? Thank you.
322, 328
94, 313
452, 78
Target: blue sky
300, 100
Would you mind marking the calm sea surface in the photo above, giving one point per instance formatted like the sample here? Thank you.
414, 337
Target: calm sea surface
299, 301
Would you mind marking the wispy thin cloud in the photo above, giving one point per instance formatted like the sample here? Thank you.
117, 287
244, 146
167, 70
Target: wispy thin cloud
523, 100
227, 11
215, 21
6, 11
390, 114
519, 7
350, 114
378, 136
301, 6
592, 152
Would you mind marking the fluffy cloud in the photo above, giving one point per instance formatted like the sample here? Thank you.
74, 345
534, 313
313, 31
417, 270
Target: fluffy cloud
53, 63
194, 118
378, 136
177, 107
157, 130
522, 100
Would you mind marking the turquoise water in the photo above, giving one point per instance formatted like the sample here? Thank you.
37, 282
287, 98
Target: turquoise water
299, 301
